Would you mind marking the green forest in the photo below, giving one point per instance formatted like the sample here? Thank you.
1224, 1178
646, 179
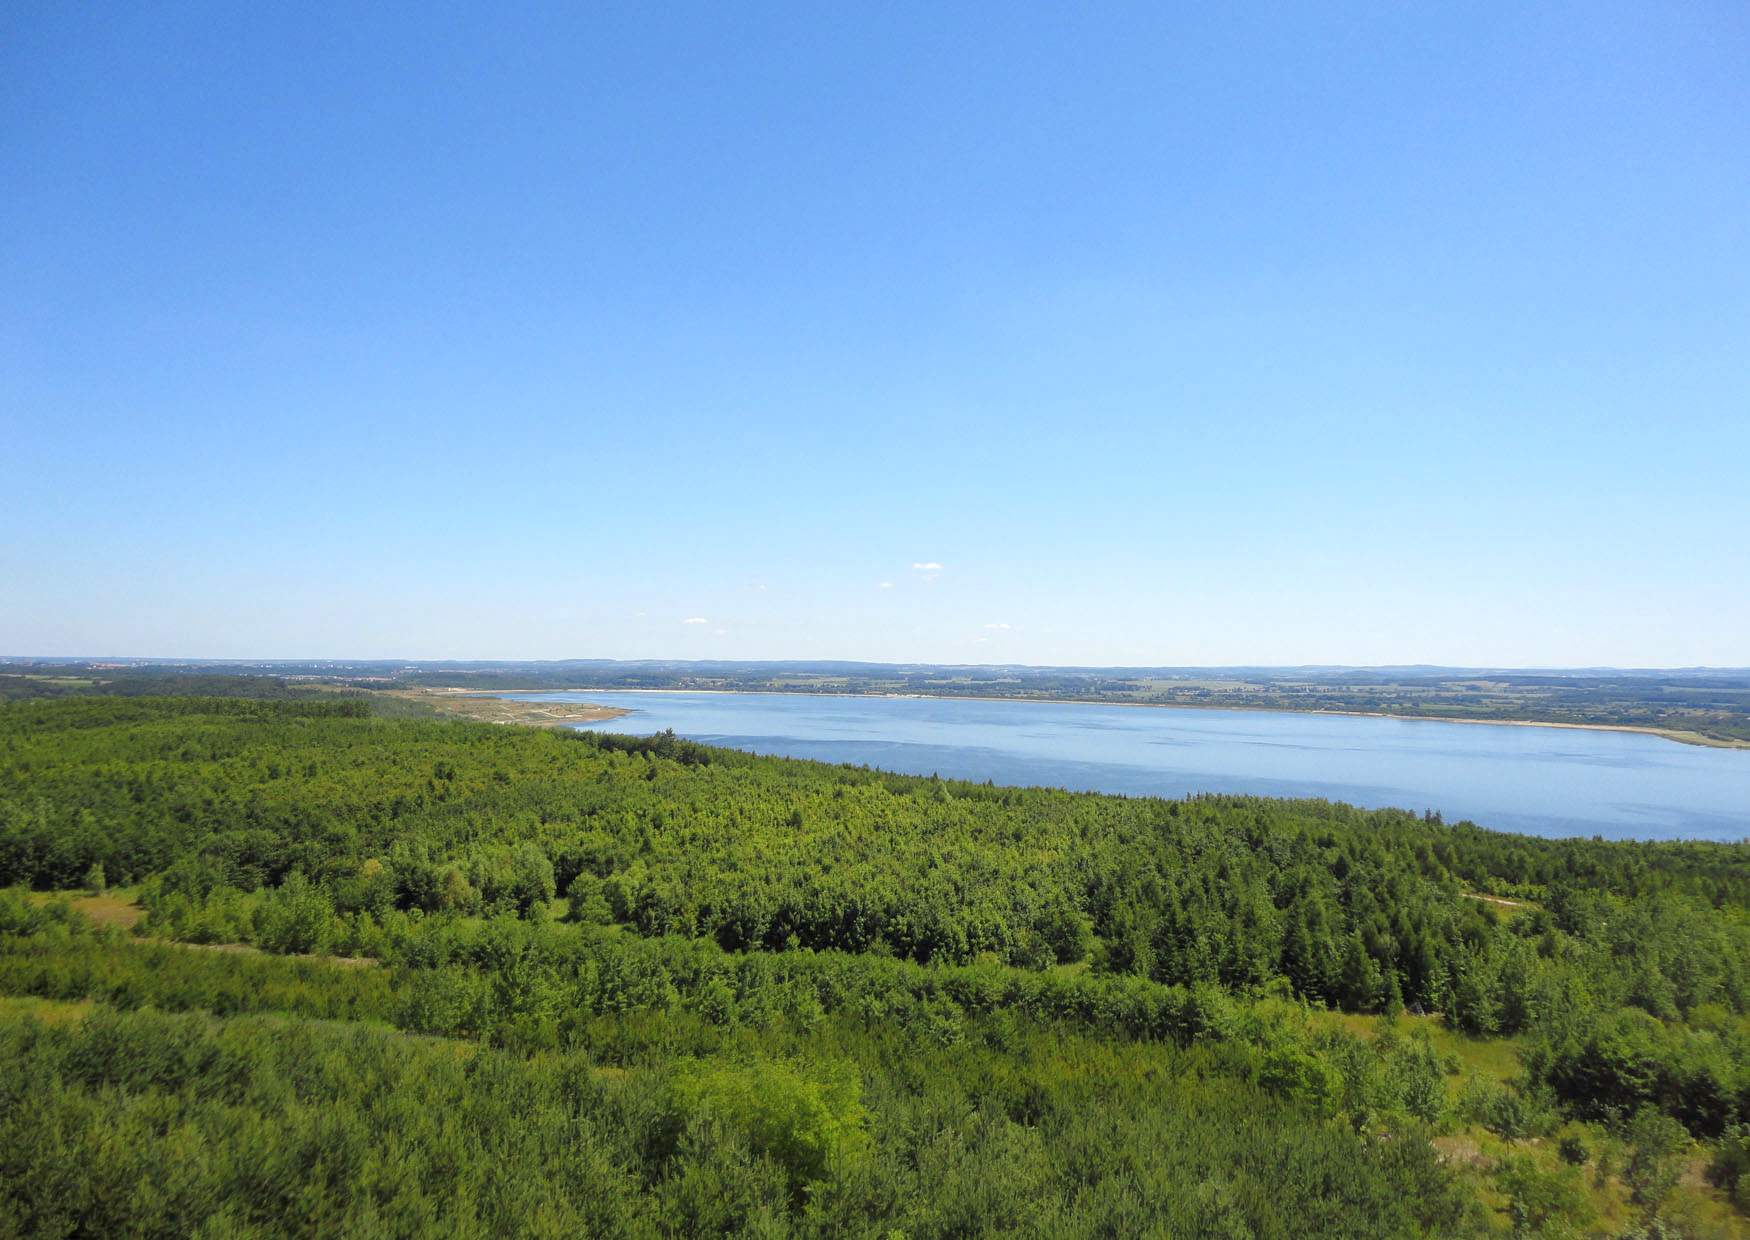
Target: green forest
295, 965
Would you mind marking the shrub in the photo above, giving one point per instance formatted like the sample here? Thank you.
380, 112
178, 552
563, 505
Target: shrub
1730, 1169
1505, 1111
1543, 1203
1655, 1140
296, 917
588, 905
1300, 1074
1416, 1079
814, 1125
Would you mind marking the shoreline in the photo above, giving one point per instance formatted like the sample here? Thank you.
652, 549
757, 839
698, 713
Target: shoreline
1676, 735
492, 708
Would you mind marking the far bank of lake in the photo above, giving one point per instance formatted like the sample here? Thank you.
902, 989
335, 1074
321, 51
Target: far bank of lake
1540, 780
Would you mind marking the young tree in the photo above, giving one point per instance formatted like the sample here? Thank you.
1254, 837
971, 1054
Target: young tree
1655, 1140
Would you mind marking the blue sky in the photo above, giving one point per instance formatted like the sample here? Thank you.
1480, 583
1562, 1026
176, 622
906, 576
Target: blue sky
1269, 334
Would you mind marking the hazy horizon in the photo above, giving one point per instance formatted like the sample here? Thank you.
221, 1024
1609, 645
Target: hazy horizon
395, 660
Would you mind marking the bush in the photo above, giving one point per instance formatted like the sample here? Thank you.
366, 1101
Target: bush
1505, 1111
1729, 1171
588, 905
21, 915
1416, 1079
1655, 1141
1543, 1203
813, 1125
1299, 1074
296, 917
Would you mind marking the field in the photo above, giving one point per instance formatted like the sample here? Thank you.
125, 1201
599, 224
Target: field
460, 704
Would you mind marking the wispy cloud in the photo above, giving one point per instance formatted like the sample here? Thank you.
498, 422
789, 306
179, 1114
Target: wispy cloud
929, 566
885, 585
695, 620
999, 626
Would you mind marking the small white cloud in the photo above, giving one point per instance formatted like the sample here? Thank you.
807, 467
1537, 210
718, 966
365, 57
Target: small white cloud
719, 632
929, 566
885, 585
999, 626
695, 620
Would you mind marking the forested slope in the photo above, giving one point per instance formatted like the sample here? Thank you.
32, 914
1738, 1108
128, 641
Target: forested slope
775, 995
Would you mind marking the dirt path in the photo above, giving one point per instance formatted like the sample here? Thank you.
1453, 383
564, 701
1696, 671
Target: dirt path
1500, 900
249, 949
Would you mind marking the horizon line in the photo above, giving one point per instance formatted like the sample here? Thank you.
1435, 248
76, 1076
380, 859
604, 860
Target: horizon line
388, 661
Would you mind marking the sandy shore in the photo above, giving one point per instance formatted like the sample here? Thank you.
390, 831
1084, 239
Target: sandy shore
1670, 734
488, 708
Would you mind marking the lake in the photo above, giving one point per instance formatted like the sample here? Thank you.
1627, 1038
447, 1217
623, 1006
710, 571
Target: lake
1544, 781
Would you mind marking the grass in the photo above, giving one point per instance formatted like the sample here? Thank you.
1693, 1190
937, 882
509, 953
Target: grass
116, 907
1491, 1059
48, 1011
1698, 1210
486, 709
119, 907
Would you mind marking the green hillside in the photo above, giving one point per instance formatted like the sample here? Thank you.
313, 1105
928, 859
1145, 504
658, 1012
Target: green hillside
402, 976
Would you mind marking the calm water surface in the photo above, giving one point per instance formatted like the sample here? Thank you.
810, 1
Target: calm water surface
1547, 781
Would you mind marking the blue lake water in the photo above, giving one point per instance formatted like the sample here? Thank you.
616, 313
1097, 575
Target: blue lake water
1545, 781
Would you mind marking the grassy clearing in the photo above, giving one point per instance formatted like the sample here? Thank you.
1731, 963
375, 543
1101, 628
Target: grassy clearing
461, 704
49, 1011
1696, 1208
119, 906
1491, 1059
